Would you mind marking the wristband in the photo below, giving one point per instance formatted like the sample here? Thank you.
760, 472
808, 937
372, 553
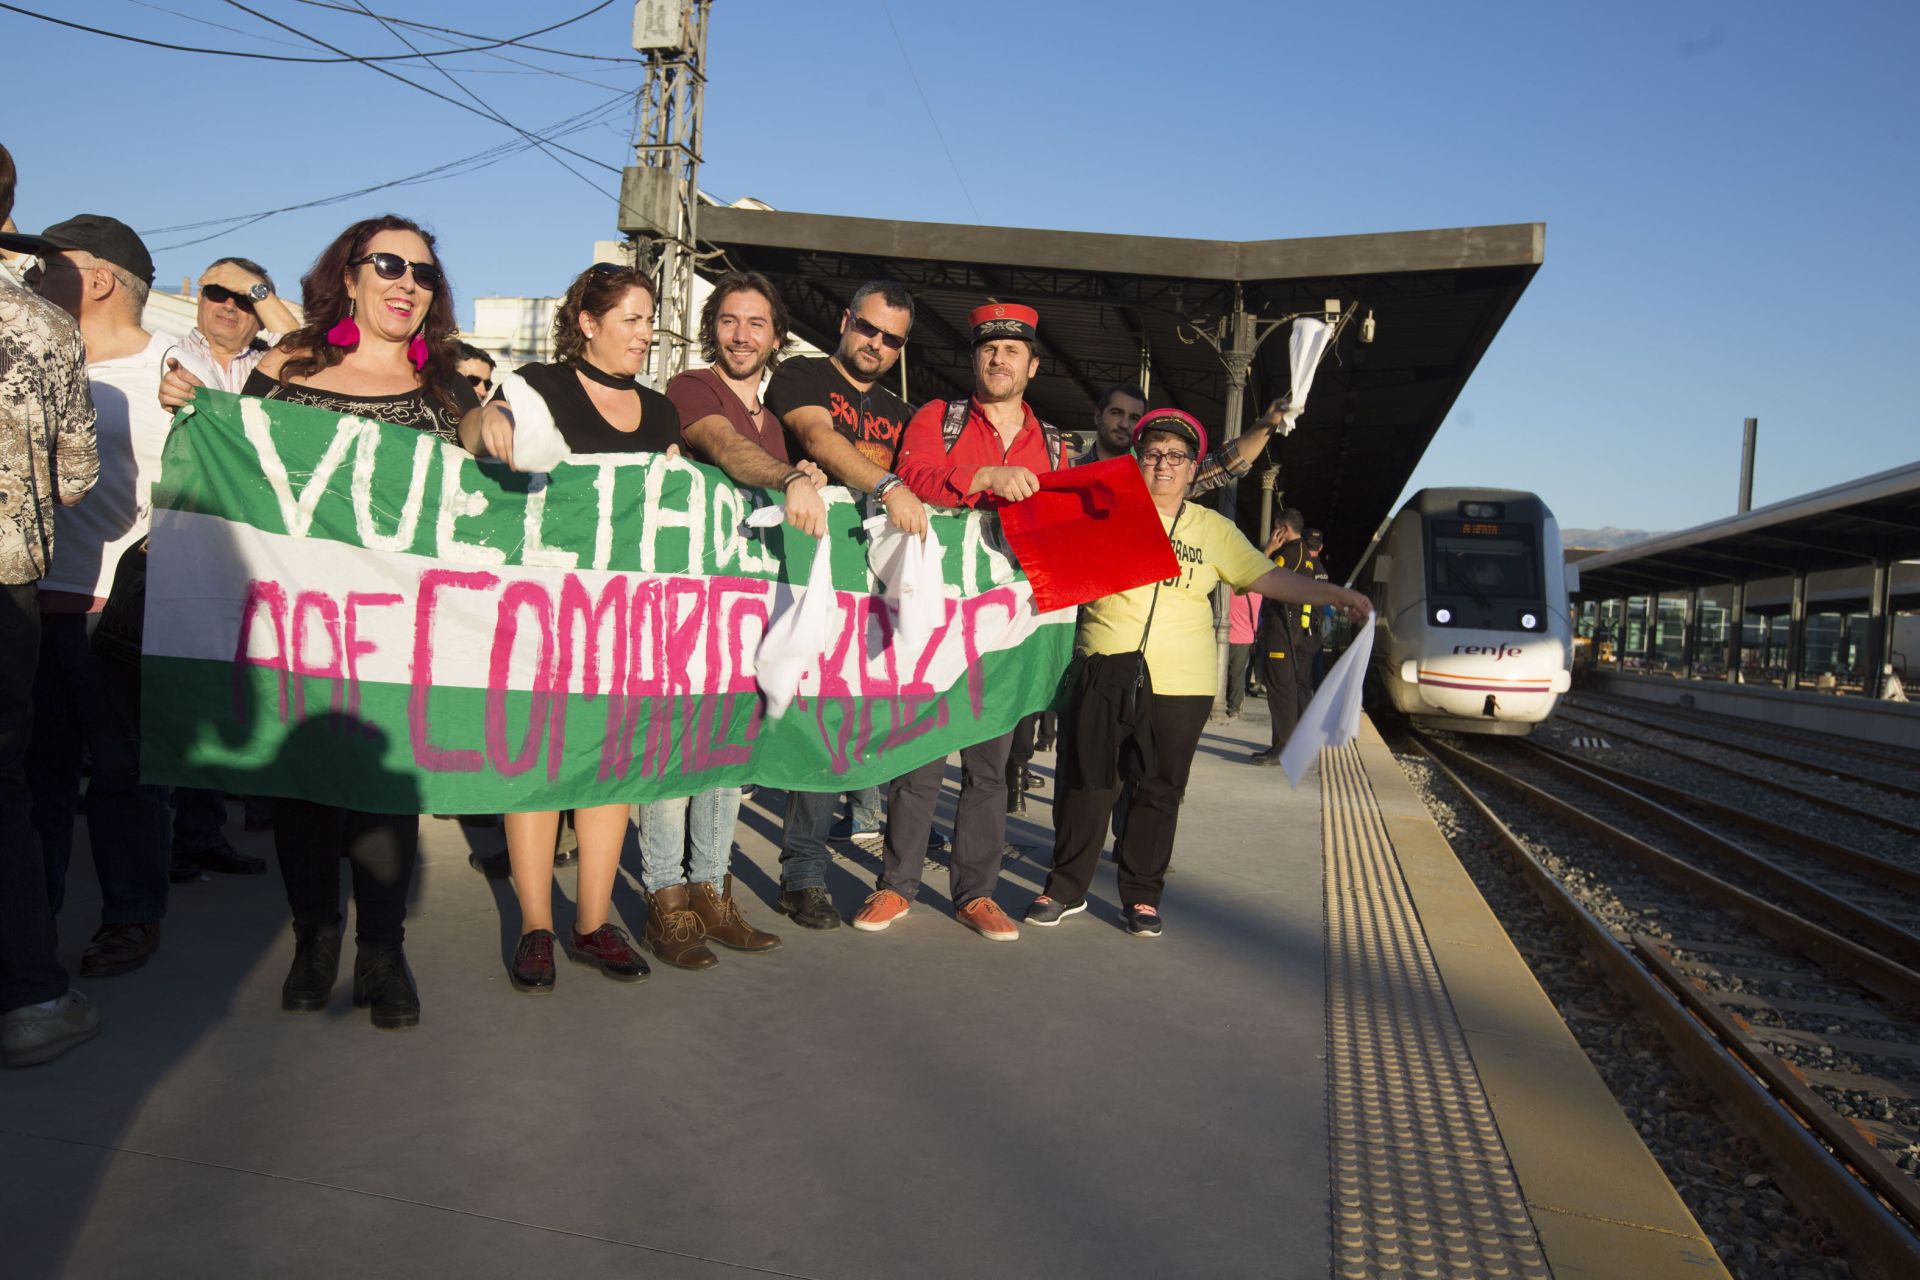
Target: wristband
787, 480
888, 483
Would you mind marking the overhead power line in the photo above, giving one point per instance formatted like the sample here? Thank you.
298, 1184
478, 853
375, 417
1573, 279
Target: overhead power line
285, 57
468, 35
931, 118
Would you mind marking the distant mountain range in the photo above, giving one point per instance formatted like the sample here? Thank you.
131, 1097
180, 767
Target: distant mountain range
1606, 539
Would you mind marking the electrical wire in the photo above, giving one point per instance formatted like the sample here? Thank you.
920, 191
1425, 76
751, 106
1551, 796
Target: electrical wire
371, 65
481, 102
452, 168
908, 59
283, 57
468, 35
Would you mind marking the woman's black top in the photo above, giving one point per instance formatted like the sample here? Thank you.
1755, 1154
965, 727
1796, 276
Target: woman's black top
415, 408
581, 425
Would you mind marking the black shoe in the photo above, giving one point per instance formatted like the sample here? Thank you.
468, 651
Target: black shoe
381, 982
494, 866
183, 870
1269, 757
1016, 798
316, 963
229, 861
566, 857
808, 908
1143, 921
531, 969
1047, 912
1031, 781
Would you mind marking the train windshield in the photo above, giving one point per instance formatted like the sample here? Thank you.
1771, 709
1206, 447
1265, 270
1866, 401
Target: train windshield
1484, 562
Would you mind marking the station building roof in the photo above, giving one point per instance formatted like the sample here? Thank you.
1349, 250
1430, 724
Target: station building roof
1849, 525
1124, 309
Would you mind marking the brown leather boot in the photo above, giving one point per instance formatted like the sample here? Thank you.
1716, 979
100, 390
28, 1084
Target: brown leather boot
673, 931
720, 917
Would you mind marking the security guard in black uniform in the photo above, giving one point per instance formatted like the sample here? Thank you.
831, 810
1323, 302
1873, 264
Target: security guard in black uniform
1284, 666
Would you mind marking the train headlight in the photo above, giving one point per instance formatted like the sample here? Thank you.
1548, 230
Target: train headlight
1443, 616
1529, 622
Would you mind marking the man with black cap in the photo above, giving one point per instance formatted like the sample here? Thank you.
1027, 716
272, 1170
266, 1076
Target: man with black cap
97, 270
985, 452
47, 459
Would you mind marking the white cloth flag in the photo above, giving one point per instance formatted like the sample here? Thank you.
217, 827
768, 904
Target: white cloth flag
908, 570
795, 640
1306, 343
1332, 719
537, 443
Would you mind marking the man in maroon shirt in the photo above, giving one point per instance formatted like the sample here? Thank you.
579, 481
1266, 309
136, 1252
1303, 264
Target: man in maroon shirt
984, 454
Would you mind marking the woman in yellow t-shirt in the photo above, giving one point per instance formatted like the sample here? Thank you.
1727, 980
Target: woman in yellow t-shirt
1146, 680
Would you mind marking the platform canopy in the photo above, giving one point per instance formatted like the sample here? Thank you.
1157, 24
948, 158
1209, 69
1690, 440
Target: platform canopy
1864, 522
1130, 309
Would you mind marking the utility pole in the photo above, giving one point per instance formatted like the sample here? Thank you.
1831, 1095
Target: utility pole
660, 192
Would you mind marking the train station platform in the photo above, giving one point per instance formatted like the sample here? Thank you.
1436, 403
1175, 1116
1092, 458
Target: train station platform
1332, 1063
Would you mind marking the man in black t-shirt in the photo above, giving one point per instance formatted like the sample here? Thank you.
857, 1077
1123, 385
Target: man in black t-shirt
835, 409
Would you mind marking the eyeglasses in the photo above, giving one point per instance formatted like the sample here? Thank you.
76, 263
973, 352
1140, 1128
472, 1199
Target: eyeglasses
1167, 458
866, 329
391, 266
479, 381
216, 294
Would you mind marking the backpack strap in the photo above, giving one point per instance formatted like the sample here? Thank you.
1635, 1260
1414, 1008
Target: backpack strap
1056, 448
954, 423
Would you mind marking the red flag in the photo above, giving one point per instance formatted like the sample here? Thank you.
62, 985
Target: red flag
1089, 532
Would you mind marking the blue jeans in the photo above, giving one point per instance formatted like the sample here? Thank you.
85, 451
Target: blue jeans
687, 840
80, 700
804, 857
863, 808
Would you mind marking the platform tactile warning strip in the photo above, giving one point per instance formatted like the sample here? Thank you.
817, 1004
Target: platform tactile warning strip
1421, 1181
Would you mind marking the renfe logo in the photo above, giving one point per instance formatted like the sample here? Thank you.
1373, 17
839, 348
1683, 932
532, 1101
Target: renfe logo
1494, 651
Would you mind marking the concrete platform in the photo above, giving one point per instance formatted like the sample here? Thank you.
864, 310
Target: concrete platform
918, 1102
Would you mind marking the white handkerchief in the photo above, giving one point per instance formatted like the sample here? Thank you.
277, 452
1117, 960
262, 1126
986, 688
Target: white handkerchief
537, 443
1306, 343
796, 637
1332, 719
908, 570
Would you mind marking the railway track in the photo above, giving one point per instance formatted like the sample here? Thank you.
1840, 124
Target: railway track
1817, 753
1781, 967
1895, 757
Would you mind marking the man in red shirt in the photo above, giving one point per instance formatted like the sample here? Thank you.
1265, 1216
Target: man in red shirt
984, 453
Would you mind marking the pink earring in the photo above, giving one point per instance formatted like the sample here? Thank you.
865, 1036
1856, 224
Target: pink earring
417, 351
345, 333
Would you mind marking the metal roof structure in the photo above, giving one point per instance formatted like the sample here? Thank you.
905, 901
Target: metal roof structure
1873, 520
1119, 308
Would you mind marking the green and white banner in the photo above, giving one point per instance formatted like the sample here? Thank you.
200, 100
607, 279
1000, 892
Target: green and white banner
358, 613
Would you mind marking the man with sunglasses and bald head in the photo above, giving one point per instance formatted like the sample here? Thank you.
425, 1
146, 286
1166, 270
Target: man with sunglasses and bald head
238, 320
844, 419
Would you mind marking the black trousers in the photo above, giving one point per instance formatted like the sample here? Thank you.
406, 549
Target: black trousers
1278, 667
1041, 723
979, 822
29, 971
1081, 813
381, 848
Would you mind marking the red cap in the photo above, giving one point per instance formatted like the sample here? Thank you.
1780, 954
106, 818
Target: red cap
1004, 320
1177, 421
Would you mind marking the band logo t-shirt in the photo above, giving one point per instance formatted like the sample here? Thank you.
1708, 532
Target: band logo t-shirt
872, 419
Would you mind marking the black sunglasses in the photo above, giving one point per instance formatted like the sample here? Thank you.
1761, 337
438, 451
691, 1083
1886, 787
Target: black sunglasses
867, 329
479, 380
391, 266
216, 294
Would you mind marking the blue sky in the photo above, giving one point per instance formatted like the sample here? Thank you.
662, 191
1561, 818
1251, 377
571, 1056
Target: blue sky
1729, 189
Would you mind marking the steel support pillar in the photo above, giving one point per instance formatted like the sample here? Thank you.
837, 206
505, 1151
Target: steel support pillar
1650, 633
1879, 630
1689, 633
1736, 631
1797, 630
1237, 355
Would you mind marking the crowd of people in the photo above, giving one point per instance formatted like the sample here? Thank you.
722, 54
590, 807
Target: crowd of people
87, 397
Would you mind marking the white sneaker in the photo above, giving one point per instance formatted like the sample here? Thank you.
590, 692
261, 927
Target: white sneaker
30, 1036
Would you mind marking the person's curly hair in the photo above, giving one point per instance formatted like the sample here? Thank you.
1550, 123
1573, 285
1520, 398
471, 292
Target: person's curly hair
594, 292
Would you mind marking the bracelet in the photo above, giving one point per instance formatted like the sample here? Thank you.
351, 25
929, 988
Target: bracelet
787, 479
888, 483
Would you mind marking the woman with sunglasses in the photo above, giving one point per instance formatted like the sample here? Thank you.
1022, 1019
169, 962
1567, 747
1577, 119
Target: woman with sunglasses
1145, 666
377, 343
602, 330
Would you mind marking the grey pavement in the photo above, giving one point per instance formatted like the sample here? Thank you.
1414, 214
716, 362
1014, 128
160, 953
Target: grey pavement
918, 1102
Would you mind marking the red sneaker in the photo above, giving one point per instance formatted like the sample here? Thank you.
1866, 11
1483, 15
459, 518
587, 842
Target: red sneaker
984, 917
882, 909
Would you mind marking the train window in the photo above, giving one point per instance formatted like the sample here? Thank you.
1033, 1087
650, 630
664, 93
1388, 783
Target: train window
1484, 568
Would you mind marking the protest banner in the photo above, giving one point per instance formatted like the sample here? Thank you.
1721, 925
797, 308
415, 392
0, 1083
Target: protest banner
358, 613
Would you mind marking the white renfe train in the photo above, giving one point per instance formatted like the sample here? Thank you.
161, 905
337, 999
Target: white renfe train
1470, 590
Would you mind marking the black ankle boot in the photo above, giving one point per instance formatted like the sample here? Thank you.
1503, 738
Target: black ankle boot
316, 963
381, 981
1016, 795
